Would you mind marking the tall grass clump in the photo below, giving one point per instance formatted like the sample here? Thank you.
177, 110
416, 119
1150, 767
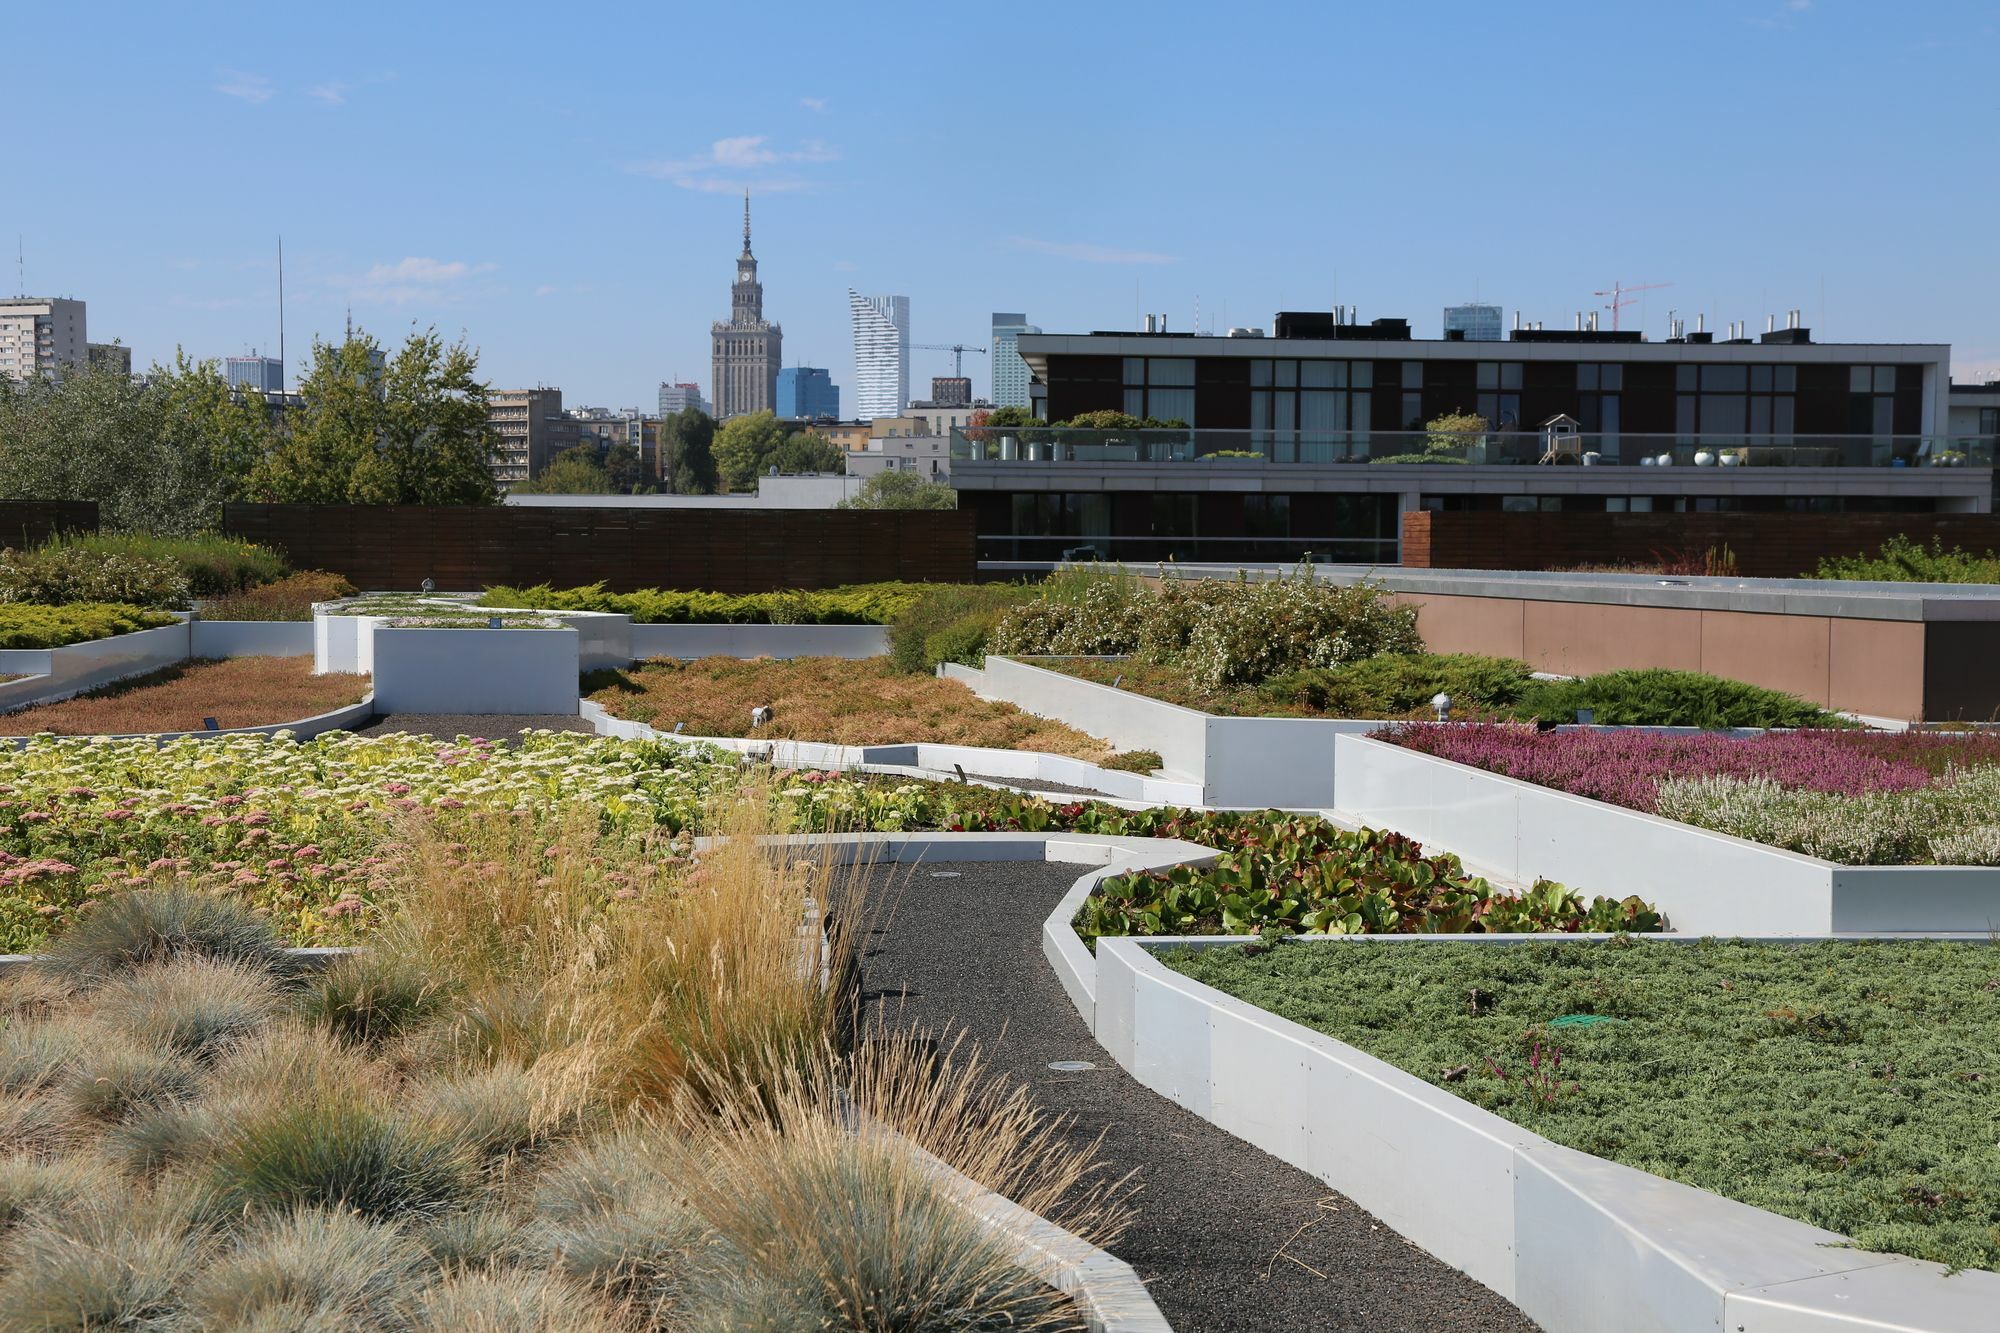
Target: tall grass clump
314, 1268
211, 563
289, 598
130, 930
951, 623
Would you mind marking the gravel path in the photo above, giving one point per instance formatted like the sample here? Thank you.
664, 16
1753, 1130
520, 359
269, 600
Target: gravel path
492, 726
1227, 1239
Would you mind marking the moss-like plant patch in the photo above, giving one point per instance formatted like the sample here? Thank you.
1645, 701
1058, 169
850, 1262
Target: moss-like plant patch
1853, 1085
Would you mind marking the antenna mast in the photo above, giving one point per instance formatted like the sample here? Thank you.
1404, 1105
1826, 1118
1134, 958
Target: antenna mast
282, 368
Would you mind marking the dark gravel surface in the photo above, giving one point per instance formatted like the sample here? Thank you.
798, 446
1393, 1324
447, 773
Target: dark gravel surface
1227, 1238
492, 726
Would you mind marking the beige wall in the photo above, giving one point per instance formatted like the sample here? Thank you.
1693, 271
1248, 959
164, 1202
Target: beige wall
1863, 666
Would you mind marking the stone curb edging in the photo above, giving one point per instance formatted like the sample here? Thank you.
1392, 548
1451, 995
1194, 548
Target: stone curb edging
338, 719
1513, 830
1579, 1243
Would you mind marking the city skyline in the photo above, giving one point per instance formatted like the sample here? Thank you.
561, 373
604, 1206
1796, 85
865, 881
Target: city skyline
387, 202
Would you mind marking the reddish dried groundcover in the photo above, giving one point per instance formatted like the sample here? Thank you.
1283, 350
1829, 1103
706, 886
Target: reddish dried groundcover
1625, 767
236, 692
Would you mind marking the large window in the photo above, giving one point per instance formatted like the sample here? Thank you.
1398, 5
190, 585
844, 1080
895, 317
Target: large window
1309, 411
1871, 400
1160, 387
1734, 400
1054, 514
1267, 515
1499, 385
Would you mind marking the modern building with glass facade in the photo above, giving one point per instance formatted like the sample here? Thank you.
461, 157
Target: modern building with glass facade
1474, 323
1318, 438
808, 393
265, 374
1010, 373
881, 354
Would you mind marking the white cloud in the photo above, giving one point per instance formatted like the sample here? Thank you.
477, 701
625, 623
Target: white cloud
332, 92
813, 103
1090, 254
736, 163
845, 266
413, 278
253, 88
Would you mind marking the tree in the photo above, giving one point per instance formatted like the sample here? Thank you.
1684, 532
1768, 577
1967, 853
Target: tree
744, 446
624, 469
687, 441
159, 456
804, 451
1452, 432
414, 431
901, 489
574, 471
1012, 418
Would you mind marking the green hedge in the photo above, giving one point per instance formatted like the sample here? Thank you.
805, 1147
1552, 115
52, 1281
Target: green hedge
213, 565
860, 604
1903, 561
1662, 698
28, 626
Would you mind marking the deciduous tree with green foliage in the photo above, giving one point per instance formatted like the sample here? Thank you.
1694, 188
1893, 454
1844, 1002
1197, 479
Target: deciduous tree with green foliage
901, 490
161, 455
805, 451
687, 443
743, 447
574, 471
414, 432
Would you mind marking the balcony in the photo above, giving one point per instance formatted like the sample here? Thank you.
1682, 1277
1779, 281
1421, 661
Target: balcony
1213, 448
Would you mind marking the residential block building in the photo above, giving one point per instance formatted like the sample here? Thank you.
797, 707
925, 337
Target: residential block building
680, 397
532, 429
41, 335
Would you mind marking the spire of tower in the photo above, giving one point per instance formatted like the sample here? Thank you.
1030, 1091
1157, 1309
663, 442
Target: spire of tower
746, 222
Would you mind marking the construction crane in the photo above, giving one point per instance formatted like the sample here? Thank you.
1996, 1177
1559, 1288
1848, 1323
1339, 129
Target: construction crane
1620, 297
957, 350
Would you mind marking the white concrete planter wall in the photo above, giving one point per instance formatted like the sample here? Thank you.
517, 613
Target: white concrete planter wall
781, 641
304, 729
1706, 883
930, 761
1580, 1244
474, 670
1239, 762
250, 638
58, 673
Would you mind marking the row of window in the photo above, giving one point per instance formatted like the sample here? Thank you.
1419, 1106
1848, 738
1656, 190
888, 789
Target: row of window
1061, 514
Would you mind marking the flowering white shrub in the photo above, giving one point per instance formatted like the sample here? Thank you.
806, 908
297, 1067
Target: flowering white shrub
1954, 822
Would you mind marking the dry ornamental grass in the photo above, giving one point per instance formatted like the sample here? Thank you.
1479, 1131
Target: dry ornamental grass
236, 692
830, 699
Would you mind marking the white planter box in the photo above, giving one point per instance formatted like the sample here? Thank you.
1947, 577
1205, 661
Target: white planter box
474, 670
1705, 882
1239, 762
250, 638
1580, 1244
58, 673
748, 641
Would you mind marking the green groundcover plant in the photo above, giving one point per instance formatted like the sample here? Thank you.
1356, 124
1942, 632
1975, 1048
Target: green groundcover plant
31, 626
860, 604
300, 832
1901, 560
1402, 685
1853, 1085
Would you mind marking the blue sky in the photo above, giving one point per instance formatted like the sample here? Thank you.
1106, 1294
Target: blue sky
562, 184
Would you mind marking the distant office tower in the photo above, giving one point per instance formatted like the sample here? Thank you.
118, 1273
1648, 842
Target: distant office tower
1479, 323
41, 336
1010, 372
881, 354
808, 393
265, 374
117, 356
951, 391
748, 350
680, 397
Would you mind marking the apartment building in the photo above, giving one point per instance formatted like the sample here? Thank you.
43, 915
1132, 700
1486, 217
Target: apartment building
41, 335
531, 428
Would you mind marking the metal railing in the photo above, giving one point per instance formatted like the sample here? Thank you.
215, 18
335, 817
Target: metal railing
1062, 444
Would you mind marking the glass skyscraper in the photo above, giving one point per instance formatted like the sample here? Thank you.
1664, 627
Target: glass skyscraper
881, 354
1479, 323
1010, 372
808, 393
